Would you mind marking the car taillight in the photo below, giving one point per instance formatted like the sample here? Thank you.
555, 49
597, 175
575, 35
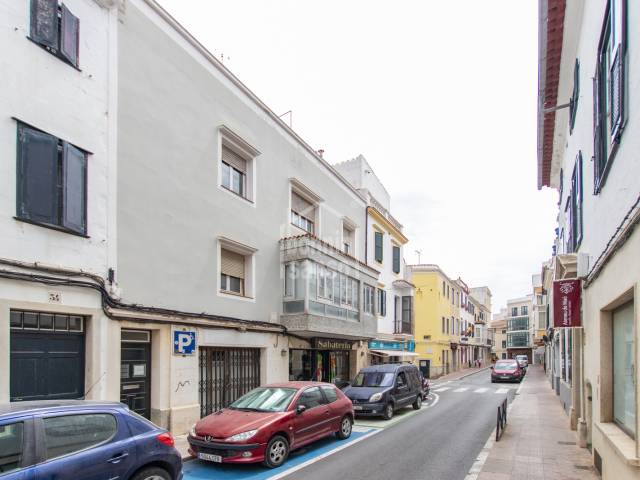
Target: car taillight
166, 439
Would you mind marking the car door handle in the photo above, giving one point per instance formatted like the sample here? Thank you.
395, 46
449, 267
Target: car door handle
118, 458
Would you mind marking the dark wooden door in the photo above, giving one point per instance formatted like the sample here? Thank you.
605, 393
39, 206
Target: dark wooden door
135, 377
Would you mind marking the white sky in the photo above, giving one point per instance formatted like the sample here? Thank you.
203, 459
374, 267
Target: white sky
439, 96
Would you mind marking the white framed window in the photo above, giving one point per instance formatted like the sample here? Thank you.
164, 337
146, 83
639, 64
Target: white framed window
348, 237
303, 213
368, 301
236, 266
236, 166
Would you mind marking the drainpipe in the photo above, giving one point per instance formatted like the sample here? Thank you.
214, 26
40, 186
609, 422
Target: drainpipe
366, 234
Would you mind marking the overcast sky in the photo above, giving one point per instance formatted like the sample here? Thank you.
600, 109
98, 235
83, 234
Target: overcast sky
439, 96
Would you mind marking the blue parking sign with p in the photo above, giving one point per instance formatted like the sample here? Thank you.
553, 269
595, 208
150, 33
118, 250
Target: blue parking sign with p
184, 342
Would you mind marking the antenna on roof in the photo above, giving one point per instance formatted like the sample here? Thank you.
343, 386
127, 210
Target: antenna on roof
290, 113
418, 252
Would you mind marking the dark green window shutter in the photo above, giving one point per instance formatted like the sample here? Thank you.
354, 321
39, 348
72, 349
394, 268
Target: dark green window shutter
74, 198
396, 259
37, 182
598, 145
573, 108
44, 22
378, 245
616, 94
70, 29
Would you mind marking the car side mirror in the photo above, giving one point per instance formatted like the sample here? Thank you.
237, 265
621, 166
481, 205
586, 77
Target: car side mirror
300, 409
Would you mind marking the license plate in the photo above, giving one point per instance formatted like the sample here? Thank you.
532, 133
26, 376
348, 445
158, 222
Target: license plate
210, 457
357, 407
505, 377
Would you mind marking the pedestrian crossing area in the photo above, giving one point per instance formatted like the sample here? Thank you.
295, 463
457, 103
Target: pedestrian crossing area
499, 391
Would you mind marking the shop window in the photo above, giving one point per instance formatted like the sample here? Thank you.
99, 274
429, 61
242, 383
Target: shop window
624, 388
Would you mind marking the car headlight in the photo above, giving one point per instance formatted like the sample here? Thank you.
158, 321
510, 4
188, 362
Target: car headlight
376, 397
192, 432
240, 437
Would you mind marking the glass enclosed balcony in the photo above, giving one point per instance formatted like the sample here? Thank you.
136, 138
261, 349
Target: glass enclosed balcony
326, 291
518, 324
518, 340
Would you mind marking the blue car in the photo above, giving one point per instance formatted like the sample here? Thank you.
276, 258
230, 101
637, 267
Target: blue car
83, 440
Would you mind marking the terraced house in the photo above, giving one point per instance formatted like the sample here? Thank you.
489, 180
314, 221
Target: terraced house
588, 143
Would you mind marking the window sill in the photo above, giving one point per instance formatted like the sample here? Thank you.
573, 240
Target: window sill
306, 232
55, 54
237, 195
51, 227
238, 296
621, 442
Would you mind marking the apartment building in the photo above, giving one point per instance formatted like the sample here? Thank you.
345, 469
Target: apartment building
519, 327
481, 300
58, 109
499, 327
587, 150
384, 252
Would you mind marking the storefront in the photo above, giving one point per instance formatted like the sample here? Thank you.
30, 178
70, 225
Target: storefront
328, 360
383, 351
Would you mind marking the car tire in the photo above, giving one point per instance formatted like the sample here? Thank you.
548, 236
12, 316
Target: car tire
417, 405
276, 452
388, 411
346, 427
152, 473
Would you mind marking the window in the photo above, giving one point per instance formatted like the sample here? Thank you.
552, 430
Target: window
72, 433
368, 299
11, 447
378, 237
289, 279
514, 311
234, 171
624, 388
348, 236
448, 323
524, 310
444, 330
574, 219
444, 289
52, 181
573, 104
396, 259
232, 272
382, 302
56, 29
426, 337
609, 87
504, 344
311, 398
407, 308
330, 393
302, 213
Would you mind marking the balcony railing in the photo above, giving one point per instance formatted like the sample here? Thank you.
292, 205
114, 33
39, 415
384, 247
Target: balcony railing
375, 204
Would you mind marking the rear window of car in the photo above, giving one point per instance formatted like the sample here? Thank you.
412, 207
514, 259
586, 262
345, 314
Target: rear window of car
138, 424
330, 393
10, 447
68, 434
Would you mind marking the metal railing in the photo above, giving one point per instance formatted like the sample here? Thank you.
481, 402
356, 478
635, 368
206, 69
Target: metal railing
501, 420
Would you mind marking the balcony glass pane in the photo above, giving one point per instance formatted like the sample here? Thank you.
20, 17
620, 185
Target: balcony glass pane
294, 307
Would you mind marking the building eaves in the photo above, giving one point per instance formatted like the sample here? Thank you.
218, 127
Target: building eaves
550, 35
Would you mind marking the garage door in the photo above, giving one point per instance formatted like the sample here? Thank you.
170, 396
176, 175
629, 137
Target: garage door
47, 356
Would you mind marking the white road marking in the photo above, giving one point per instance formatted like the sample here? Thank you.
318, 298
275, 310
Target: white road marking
442, 389
435, 401
503, 390
324, 455
458, 390
480, 390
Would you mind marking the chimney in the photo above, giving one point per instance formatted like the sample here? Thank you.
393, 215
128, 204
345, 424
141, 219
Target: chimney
321, 153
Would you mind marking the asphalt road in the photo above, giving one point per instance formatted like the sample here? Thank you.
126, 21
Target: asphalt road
438, 443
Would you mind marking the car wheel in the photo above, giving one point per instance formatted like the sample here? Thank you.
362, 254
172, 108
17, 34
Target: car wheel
388, 411
277, 452
346, 425
417, 405
152, 473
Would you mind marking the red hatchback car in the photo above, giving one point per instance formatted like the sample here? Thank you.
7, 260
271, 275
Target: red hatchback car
268, 422
506, 371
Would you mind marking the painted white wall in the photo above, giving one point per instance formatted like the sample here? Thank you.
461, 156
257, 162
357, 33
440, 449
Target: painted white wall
43, 91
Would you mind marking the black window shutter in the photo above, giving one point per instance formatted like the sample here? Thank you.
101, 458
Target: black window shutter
70, 35
37, 183
74, 195
44, 22
396, 259
378, 246
597, 131
574, 96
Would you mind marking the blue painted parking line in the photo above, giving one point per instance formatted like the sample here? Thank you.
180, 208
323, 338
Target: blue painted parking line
200, 470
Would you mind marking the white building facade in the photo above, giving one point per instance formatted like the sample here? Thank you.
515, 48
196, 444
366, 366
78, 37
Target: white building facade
384, 251
588, 152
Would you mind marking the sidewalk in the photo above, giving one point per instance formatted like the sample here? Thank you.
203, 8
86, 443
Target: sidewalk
449, 377
537, 443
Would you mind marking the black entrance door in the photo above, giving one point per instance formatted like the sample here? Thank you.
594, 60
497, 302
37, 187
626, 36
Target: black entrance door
425, 368
135, 371
46, 356
225, 375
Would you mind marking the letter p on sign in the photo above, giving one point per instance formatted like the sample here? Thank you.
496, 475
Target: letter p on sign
184, 342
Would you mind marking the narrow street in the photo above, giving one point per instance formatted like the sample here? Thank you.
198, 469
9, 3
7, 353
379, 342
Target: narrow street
441, 441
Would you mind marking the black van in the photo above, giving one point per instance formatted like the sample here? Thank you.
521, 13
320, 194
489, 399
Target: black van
380, 390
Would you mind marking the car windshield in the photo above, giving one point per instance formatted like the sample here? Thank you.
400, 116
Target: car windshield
373, 379
507, 365
265, 399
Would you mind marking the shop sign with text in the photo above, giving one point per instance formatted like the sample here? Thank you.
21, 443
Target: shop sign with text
330, 344
567, 295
